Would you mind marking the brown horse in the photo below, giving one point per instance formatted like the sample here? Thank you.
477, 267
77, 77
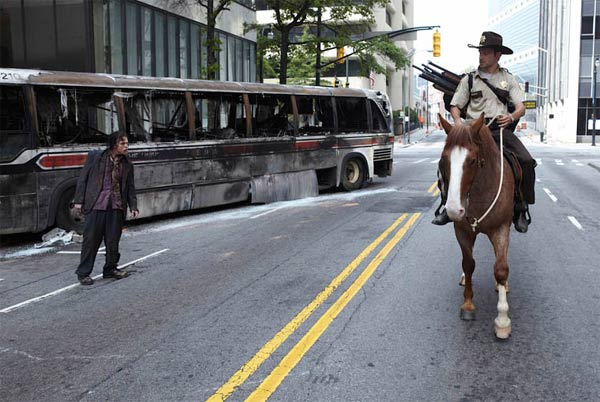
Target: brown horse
480, 200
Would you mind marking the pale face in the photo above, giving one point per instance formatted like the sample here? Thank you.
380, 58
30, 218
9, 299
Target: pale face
488, 59
122, 147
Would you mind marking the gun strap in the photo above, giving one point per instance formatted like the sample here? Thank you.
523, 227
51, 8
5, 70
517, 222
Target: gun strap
495, 91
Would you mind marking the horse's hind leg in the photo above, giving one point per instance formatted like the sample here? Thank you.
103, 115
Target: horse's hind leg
500, 241
466, 240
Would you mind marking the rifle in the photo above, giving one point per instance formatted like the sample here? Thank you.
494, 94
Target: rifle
438, 80
443, 80
447, 73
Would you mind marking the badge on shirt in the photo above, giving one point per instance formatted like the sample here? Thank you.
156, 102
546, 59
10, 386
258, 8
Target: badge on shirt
476, 94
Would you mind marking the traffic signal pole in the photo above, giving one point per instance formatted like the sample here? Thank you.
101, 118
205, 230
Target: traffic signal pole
371, 36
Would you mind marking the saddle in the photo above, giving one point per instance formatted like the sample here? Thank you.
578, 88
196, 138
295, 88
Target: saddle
517, 171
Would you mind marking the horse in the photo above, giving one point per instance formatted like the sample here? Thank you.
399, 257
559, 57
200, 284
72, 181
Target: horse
480, 200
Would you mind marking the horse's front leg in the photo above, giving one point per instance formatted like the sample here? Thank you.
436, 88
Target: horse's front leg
500, 241
466, 240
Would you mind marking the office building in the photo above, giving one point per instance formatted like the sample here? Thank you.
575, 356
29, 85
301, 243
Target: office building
153, 38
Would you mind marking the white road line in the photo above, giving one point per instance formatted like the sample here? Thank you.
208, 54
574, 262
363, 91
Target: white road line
76, 252
435, 161
559, 162
420, 160
575, 222
539, 161
576, 162
552, 197
54, 293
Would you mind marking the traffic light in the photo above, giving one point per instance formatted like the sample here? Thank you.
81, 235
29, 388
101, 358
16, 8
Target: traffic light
436, 44
526, 86
340, 55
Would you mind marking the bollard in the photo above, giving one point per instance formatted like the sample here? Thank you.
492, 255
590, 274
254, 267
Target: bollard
541, 136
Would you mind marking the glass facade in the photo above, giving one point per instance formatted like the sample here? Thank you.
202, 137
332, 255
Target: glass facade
48, 34
152, 34
590, 50
518, 22
137, 39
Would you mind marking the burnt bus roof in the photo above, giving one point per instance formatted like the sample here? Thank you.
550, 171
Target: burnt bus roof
64, 78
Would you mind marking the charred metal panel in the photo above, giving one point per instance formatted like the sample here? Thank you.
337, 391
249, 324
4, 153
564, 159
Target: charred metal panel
14, 222
18, 203
285, 186
219, 194
164, 201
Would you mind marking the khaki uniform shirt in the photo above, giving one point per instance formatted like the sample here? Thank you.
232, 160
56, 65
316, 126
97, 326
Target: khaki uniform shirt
482, 97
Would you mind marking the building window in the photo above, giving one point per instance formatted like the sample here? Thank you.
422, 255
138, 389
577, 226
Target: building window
184, 48
159, 44
147, 41
172, 47
132, 23
116, 37
239, 57
223, 58
142, 40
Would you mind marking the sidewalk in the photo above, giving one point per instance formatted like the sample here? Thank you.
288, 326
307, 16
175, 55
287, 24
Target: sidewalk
414, 137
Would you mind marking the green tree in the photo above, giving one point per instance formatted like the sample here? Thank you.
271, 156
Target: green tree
329, 25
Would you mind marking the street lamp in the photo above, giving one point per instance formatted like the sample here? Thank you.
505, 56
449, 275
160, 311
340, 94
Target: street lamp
596, 64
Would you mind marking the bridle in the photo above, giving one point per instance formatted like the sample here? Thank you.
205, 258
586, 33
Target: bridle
476, 221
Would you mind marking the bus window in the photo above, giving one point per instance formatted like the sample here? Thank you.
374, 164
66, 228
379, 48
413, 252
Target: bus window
272, 115
13, 137
75, 116
219, 116
351, 114
162, 116
315, 115
378, 121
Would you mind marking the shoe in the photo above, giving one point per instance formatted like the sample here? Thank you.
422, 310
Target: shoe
86, 280
522, 221
441, 218
116, 274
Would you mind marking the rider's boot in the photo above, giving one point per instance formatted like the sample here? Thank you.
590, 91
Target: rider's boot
441, 216
521, 216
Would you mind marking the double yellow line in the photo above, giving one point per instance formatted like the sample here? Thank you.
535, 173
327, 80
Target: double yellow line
270, 384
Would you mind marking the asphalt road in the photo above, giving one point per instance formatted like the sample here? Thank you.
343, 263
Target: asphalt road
343, 297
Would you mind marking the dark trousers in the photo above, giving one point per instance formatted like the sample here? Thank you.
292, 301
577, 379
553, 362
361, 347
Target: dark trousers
528, 164
101, 225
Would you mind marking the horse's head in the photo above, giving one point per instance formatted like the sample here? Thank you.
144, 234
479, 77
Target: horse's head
461, 159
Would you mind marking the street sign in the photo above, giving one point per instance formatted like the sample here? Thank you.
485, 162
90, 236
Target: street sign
530, 104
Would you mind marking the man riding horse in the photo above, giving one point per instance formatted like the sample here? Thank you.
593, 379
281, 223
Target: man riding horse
491, 89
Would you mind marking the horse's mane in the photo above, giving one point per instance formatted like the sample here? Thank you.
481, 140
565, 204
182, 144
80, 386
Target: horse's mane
461, 136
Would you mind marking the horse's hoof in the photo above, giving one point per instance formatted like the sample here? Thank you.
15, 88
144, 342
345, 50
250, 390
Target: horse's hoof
502, 333
467, 315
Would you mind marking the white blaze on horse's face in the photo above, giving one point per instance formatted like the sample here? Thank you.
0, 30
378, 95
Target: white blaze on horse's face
454, 205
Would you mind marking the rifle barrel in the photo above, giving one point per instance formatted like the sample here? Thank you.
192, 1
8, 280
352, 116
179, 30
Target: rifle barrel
450, 73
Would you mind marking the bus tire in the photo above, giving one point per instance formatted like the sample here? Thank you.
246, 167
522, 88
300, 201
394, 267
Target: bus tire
353, 174
67, 217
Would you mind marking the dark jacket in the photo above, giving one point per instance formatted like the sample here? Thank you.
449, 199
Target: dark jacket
91, 177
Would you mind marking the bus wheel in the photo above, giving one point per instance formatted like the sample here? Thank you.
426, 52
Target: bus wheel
353, 174
67, 217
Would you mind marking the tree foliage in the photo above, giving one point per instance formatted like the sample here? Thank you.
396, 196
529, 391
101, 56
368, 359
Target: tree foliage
326, 24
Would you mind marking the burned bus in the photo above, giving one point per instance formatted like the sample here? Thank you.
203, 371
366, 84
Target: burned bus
194, 143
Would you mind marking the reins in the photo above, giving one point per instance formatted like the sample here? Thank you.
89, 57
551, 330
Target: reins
475, 220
